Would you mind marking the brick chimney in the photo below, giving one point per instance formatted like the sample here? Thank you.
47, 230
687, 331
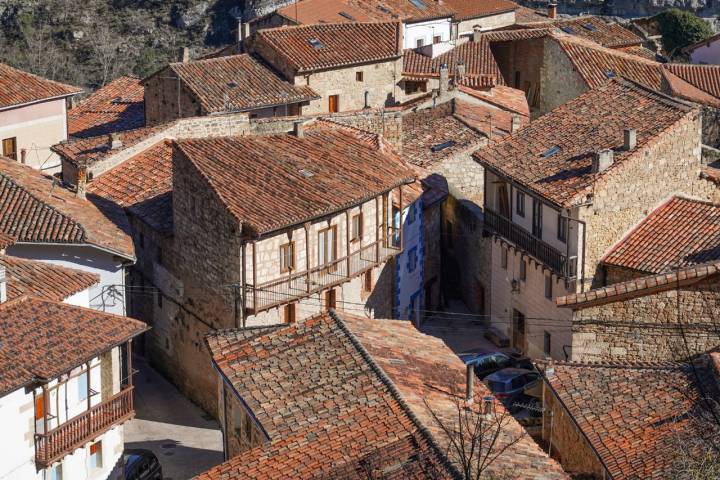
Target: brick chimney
602, 160
630, 139
184, 55
299, 129
552, 10
514, 123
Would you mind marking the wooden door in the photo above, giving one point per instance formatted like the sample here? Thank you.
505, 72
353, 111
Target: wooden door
330, 299
9, 148
518, 334
334, 103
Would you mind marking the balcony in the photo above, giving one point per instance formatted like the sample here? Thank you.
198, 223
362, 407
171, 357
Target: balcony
89, 425
302, 284
555, 260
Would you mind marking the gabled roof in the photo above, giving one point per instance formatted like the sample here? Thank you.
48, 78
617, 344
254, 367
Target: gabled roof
607, 34
44, 280
407, 11
287, 180
118, 106
469, 9
20, 88
702, 43
477, 57
360, 397
308, 48
142, 185
635, 415
34, 209
238, 83
679, 233
704, 77
591, 122
524, 15
43, 339
325, 11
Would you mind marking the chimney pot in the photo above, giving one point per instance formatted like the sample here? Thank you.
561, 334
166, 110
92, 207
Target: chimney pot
552, 10
602, 160
514, 123
184, 54
630, 139
115, 141
469, 384
299, 129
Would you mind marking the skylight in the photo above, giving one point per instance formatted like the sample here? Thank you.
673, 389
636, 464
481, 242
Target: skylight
418, 4
550, 152
609, 74
590, 26
442, 146
306, 173
232, 85
317, 44
567, 29
347, 15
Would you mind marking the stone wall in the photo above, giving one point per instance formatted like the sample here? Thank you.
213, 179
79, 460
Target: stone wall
648, 329
711, 126
560, 82
520, 63
569, 445
432, 261
167, 98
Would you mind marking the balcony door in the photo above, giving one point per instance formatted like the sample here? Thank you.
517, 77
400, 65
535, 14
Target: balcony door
537, 218
518, 333
503, 202
327, 248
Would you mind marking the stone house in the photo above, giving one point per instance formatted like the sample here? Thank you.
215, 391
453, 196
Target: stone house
222, 85
628, 420
33, 117
361, 405
660, 299
564, 189
350, 66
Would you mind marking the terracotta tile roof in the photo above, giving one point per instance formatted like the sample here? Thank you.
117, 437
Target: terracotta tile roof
704, 77
634, 415
405, 10
516, 34
593, 121
477, 57
506, 98
6, 240
678, 87
639, 51
679, 233
468, 9
142, 185
607, 34
319, 424
18, 88
340, 45
325, 11
43, 339
331, 168
525, 15
360, 398
118, 106
44, 280
34, 209
238, 83
639, 287
94, 149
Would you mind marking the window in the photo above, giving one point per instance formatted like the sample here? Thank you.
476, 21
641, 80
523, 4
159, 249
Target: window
437, 39
82, 385
562, 229
503, 258
334, 103
9, 148
289, 313
548, 286
547, 343
537, 218
330, 299
327, 246
356, 227
367, 282
358, 76
367, 99
419, 42
96, 455
523, 269
503, 200
293, 109
412, 260
520, 203
287, 257
414, 87
56, 473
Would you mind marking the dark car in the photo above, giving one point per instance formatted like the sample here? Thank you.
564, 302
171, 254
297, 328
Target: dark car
509, 385
486, 363
141, 464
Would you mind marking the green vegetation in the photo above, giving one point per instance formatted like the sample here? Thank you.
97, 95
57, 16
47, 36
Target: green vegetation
680, 29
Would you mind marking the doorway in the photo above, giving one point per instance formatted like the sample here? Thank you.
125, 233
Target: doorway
330, 299
518, 333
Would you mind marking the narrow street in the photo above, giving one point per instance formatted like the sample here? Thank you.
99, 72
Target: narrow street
183, 437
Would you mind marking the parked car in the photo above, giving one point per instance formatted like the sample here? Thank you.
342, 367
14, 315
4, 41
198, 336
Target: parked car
509, 384
141, 464
487, 362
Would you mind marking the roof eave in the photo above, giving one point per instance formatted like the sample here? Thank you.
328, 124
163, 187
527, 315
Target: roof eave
41, 100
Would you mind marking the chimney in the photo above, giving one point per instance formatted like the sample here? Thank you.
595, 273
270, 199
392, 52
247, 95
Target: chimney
23, 155
477, 34
469, 384
299, 129
243, 31
459, 71
3, 284
552, 10
115, 140
630, 139
184, 55
514, 123
602, 160
487, 409
81, 184
444, 78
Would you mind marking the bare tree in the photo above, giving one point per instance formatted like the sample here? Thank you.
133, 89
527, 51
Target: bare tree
107, 49
478, 434
699, 442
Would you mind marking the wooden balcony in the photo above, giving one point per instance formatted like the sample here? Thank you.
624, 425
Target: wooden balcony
299, 285
524, 240
86, 427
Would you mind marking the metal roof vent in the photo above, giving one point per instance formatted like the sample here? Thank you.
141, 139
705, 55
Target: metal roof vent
316, 44
590, 26
609, 74
306, 173
232, 85
551, 151
442, 146
567, 29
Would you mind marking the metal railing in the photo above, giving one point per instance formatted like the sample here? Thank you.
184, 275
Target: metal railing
302, 284
547, 254
76, 432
